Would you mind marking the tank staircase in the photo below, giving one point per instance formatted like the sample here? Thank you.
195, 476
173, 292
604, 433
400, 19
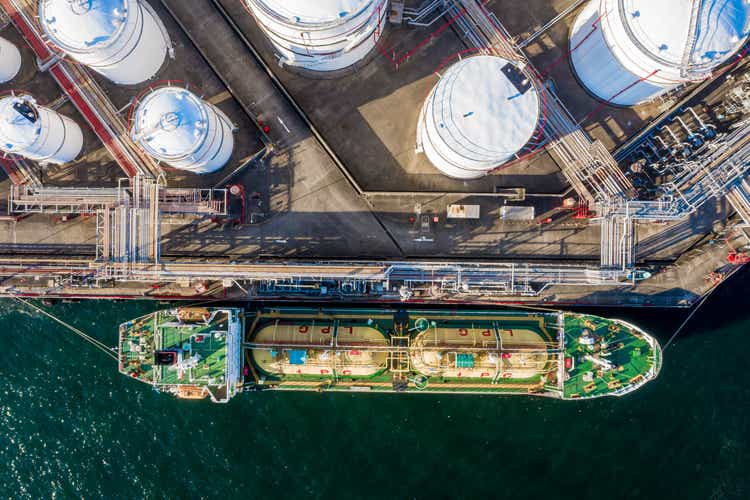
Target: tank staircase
19, 170
698, 17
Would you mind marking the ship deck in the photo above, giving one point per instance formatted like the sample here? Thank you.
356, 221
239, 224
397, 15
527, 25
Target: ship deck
634, 354
195, 351
444, 351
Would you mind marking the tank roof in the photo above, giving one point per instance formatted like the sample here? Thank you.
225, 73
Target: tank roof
17, 131
479, 110
319, 11
170, 122
82, 25
719, 30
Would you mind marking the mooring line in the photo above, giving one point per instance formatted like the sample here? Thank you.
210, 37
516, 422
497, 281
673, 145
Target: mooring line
99, 345
692, 313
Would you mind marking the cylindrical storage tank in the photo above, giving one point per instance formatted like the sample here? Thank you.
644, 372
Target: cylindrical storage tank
120, 39
36, 132
10, 61
627, 52
179, 128
480, 114
321, 35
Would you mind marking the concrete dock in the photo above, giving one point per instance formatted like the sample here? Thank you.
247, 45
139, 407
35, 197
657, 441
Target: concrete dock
336, 177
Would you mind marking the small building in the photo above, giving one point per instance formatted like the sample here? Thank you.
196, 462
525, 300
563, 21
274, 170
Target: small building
463, 212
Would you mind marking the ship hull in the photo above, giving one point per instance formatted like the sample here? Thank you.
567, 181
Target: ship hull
532, 352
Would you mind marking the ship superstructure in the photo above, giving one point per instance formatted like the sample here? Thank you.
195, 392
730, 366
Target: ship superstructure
191, 352
554, 354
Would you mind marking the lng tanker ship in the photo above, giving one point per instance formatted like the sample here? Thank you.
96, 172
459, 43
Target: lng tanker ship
217, 352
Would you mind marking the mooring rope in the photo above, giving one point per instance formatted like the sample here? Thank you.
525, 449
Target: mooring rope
692, 313
88, 338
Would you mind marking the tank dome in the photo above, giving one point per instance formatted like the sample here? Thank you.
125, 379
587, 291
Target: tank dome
179, 128
10, 61
629, 51
121, 39
36, 132
324, 35
479, 115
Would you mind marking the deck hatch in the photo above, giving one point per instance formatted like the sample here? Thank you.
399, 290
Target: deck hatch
297, 357
464, 360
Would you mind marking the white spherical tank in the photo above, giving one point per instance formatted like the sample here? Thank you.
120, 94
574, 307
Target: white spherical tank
36, 132
321, 35
626, 52
179, 128
10, 61
478, 116
120, 39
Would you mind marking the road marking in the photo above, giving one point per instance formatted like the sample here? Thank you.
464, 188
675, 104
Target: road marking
284, 125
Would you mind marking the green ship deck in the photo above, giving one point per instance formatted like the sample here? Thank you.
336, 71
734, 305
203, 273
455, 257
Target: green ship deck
193, 352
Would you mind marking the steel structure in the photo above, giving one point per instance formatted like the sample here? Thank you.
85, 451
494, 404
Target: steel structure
10, 60
37, 132
480, 114
325, 35
84, 93
129, 216
175, 126
719, 169
625, 53
120, 39
586, 164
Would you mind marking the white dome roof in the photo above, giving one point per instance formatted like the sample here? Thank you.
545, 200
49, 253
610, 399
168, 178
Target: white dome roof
16, 131
663, 28
315, 11
83, 25
480, 114
170, 122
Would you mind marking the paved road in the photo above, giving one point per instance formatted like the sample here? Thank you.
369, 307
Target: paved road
317, 186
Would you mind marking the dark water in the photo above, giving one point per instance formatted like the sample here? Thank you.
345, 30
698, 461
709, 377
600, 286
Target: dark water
70, 426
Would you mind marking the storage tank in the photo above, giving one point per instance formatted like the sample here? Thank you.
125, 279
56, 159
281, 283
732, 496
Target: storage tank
179, 128
480, 114
10, 61
629, 51
121, 39
321, 35
36, 132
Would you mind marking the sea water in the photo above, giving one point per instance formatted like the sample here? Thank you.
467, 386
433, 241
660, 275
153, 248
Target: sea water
71, 426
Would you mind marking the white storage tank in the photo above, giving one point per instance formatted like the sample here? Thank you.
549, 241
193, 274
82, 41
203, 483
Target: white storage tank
627, 52
321, 35
10, 60
120, 39
36, 132
179, 128
481, 113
